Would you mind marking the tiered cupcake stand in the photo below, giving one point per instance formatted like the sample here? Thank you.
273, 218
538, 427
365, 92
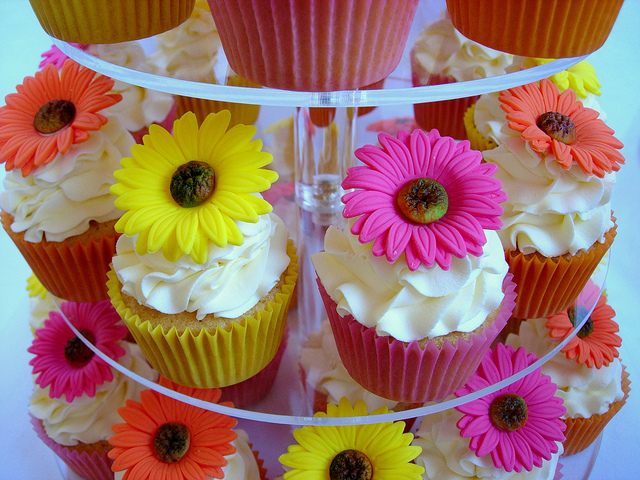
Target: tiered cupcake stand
315, 205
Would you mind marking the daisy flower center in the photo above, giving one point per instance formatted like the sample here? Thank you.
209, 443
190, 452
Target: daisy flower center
76, 352
171, 442
350, 465
576, 315
53, 116
558, 126
192, 183
509, 412
422, 200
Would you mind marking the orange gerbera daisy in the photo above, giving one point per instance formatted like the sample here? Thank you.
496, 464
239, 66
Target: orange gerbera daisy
597, 342
50, 112
168, 439
556, 123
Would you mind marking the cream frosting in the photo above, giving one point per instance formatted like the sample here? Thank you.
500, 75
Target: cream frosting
58, 200
40, 307
441, 49
549, 209
446, 455
229, 283
410, 305
324, 371
190, 51
585, 391
89, 419
139, 107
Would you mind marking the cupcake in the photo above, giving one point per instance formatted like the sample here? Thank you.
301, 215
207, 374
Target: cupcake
204, 273
318, 45
442, 55
109, 22
162, 437
416, 287
557, 220
514, 433
60, 150
351, 450
77, 393
41, 303
536, 28
591, 379
191, 52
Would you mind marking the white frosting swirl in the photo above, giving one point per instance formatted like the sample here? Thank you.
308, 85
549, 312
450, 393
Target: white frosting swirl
427, 302
446, 455
190, 51
585, 391
40, 308
549, 209
230, 282
441, 49
59, 199
139, 107
89, 419
324, 371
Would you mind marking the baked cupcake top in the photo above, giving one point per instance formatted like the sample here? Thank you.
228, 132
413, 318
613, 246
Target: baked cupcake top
60, 150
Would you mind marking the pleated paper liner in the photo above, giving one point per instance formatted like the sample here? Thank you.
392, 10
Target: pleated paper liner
478, 141
216, 358
109, 21
74, 269
582, 432
405, 371
89, 461
536, 28
548, 285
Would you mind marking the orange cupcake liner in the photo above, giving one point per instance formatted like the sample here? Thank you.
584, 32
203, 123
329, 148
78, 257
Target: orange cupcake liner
548, 285
75, 269
582, 432
536, 28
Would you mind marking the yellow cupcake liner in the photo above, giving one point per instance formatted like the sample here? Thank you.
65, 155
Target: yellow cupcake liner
217, 358
477, 140
109, 21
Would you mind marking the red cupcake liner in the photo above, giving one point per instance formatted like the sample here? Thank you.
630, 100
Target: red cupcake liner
403, 371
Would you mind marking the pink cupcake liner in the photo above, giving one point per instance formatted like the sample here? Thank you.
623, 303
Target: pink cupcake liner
558, 475
254, 389
403, 371
90, 465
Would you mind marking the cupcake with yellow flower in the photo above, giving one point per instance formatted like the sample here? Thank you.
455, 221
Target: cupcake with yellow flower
204, 273
60, 149
363, 451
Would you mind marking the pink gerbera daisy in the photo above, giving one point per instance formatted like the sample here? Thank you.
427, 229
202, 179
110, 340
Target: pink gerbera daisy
423, 195
63, 362
55, 56
519, 425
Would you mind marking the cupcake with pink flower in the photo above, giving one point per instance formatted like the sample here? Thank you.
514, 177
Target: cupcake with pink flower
76, 392
416, 287
513, 433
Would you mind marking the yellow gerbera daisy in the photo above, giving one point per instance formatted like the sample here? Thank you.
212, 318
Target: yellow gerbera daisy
381, 450
183, 190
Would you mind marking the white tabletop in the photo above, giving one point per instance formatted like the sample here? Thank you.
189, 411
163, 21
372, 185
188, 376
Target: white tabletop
24, 457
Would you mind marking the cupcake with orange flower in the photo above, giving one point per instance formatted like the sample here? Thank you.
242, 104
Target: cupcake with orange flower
165, 438
558, 169
60, 150
378, 450
591, 379
204, 273
513, 433
77, 393
415, 287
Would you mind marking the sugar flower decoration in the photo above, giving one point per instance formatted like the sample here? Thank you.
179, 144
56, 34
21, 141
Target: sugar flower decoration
55, 56
581, 77
597, 342
363, 452
422, 195
164, 438
63, 362
50, 112
557, 124
180, 192
519, 425
35, 288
